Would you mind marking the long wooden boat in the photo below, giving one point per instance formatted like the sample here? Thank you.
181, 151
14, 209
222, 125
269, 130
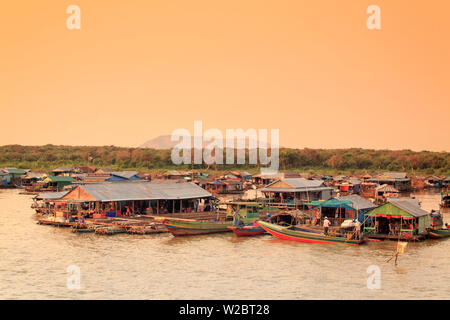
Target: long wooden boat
439, 233
239, 212
294, 234
247, 231
186, 227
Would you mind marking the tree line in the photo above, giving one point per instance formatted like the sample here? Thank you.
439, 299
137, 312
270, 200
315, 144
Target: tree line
48, 157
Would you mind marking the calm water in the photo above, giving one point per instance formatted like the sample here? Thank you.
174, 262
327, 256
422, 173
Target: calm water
34, 260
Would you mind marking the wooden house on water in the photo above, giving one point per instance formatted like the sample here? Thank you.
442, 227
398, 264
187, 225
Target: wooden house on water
32, 177
341, 208
15, 173
237, 175
398, 180
221, 186
397, 219
66, 172
350, 186
268, 178
434, 181
9, 177
48, 202
178, 175
51, 184
384, 193
293, 192
101, 200
112, 176
5, 179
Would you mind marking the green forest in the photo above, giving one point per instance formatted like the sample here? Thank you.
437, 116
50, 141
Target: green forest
327, 161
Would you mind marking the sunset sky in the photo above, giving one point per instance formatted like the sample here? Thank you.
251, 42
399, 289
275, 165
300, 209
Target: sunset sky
139, 69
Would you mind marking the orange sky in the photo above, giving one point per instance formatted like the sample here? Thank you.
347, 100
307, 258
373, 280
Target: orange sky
139, 69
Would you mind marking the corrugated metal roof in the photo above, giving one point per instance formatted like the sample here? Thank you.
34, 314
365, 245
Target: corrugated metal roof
396, 175
409, 205
354, 181
51, 195
59, 179
34, 175
123, 191
298, 185
15, 170
391, 176
358, 202
303, 183
295, 190
125, 174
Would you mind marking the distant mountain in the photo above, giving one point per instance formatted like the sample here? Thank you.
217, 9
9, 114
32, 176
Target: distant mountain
159, 143
164, 143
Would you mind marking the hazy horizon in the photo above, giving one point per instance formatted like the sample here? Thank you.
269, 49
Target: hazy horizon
281, 147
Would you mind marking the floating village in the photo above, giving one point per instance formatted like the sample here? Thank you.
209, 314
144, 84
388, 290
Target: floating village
288, 205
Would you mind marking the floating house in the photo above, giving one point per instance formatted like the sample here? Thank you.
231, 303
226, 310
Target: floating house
86, 169
341, 208
243, 176
211, 185
294, 191
397, 219
336, 180
268, 178
177, 175
434, 181
350, 186
10, 177
232, 186
398, 180
446, 182
104, 170
32, 177
57, 183
385, 192
221, 186
108, 199
5, 179
112, 176
63, 171
48, 202
14, 173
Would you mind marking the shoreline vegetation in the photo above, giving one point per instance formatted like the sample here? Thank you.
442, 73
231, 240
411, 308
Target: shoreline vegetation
324, 161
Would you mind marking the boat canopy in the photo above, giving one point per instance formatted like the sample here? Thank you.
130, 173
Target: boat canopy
329, 203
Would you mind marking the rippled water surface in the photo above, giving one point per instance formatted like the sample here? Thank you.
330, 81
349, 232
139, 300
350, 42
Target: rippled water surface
34, 260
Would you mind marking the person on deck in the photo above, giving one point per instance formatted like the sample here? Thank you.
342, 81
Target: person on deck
357, 228
326, 225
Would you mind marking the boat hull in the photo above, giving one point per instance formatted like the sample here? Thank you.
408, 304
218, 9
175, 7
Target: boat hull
301, 236
439, 233
247, 231
194, 227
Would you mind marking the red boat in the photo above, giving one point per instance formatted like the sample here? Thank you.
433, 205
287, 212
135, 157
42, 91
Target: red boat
247, 231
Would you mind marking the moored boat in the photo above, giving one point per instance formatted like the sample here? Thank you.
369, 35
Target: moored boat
238, 214
185, 227
439, 233
305, 235
247, 231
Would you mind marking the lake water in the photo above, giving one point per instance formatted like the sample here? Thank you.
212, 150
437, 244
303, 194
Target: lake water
34, 261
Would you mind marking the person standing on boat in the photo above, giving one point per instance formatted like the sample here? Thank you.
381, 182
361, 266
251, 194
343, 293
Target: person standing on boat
326, 225
357, 228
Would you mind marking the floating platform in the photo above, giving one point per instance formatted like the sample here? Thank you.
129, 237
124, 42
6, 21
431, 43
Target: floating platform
56, 223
